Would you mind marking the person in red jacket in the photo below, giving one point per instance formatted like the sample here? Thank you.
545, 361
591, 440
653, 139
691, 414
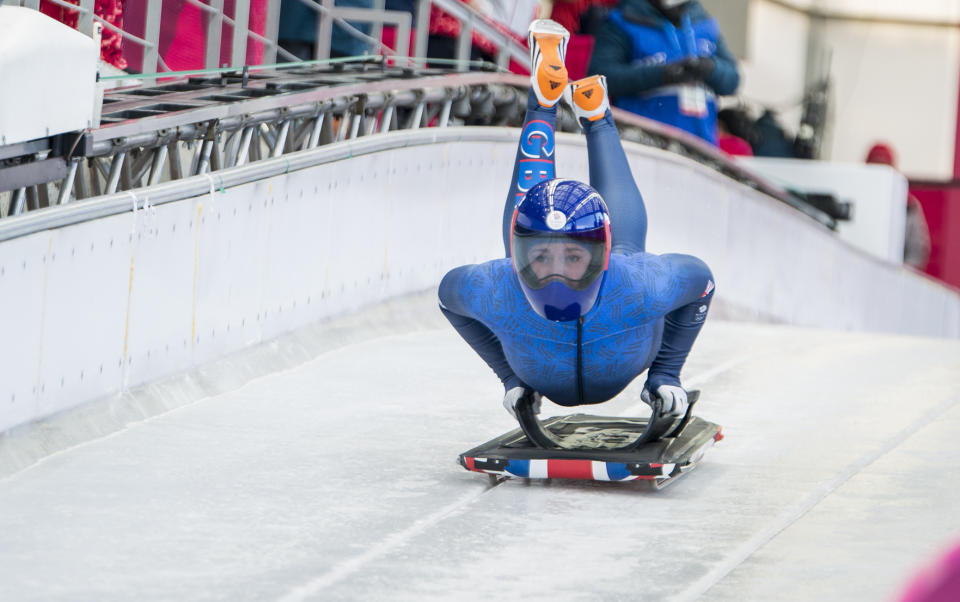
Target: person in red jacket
916, 240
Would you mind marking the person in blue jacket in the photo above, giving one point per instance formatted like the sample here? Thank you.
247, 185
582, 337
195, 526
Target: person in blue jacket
577, 309
666, 60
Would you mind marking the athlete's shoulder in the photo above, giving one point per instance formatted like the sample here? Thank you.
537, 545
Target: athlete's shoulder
462, 286
632, 265
480, 274
652, 265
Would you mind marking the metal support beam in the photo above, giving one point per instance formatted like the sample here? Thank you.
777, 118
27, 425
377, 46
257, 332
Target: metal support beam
272, 31
85, 18
376, 32
203, 156
230, 148
176, 171
423, 27
66, 186
32, 173
214, 33
281, 139
386, 118
256, 143
241, 21
94, 169
151, 53
301, 129
216, 157
416, 117
243, 149
324, 31
126, 178
503, 58
464, 45
344, 125
445, 113
314, 138
267, 134
116, 167
355, 124
140, 162
18, 201
82, 182
156, 167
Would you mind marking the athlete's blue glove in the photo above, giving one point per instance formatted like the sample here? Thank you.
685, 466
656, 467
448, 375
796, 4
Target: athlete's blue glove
515, 394
673, 395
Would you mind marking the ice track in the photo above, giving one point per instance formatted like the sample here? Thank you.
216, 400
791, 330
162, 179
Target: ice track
335, 480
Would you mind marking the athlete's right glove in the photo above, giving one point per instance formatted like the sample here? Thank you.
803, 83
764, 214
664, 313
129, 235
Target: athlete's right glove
674, 399
515, 394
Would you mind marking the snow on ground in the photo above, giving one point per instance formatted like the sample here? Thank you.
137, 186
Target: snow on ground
336, 480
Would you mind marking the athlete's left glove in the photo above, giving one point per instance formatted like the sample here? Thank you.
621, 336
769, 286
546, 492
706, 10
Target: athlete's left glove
515, 394
674, 398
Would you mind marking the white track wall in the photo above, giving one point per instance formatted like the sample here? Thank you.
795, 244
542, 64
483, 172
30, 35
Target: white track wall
110, 304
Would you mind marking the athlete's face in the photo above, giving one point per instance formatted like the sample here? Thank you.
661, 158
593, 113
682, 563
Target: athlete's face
567, 260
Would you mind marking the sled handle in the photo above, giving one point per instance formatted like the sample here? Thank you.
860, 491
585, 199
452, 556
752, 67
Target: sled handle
658, 427
692, 397
531, 425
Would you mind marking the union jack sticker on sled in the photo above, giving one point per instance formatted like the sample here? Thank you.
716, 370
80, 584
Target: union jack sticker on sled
600, 448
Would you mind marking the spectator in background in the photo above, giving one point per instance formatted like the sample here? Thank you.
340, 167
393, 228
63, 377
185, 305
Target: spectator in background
916, 240
732, 132
666, 60
581, 16
770, 138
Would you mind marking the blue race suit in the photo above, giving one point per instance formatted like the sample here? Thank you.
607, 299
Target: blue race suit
650, 308
637, 41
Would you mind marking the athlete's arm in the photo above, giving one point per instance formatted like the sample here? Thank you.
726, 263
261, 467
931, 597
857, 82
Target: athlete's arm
691, 289
474, 332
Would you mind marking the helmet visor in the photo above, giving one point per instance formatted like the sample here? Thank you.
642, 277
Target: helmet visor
575, 261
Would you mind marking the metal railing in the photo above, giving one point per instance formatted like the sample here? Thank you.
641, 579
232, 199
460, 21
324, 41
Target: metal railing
327, 15
203, 125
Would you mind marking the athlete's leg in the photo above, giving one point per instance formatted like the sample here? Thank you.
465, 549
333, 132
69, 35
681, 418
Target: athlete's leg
535, 160
609, 170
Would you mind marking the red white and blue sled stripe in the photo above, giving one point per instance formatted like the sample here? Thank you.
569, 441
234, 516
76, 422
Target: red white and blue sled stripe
594, 470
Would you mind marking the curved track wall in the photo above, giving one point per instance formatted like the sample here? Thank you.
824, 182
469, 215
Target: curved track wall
106, 304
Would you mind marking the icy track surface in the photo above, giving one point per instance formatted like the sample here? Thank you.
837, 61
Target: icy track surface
336, 480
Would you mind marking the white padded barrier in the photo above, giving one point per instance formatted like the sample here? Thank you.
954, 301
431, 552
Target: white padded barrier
59, 97
109, 304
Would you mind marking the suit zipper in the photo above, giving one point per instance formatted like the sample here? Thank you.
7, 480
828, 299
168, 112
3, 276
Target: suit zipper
580, 358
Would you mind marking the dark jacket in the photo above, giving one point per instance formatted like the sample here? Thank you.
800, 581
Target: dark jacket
613, 52
634, 60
